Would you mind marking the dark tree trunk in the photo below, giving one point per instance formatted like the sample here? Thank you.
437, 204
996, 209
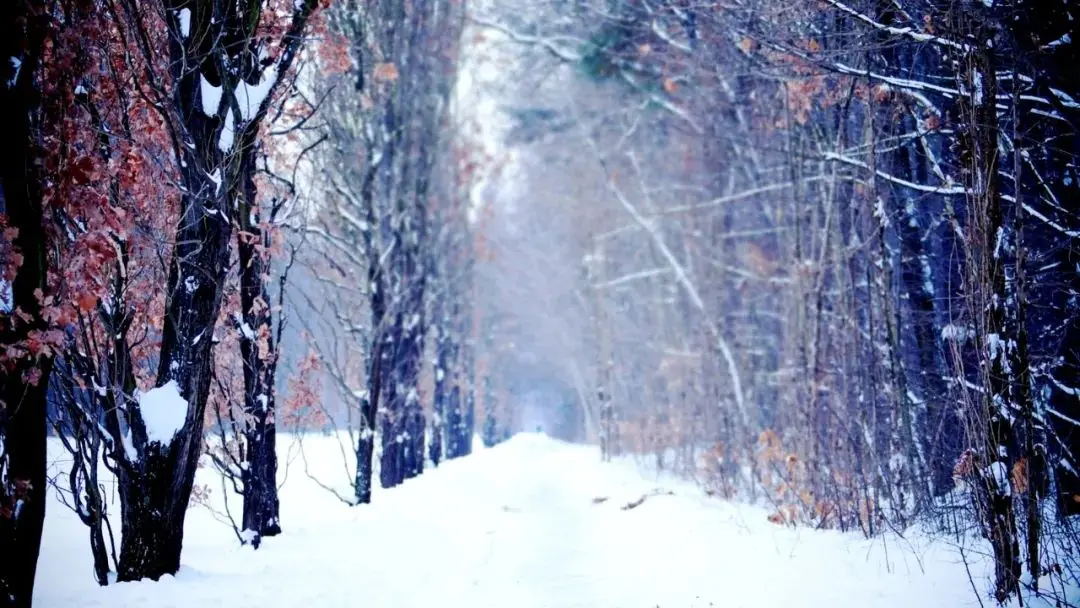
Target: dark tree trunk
369, 405
456, 431
417, 427
403, 422
260, 482
390, 463
435, 446
365, 448
23, 386
99, 550
259, 353
152, 515
1000, 359
413, 444
468, 420
937, 432
468, 397
157, 494
1063, 402
438, 421
447, 414
490, 433
392, 423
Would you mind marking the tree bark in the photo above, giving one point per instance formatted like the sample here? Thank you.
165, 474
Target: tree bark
23, 382
1000, 357
152, 521
442, 346
457, 430
259, 354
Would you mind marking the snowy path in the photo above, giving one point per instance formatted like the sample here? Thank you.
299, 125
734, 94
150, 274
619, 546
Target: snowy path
517, 527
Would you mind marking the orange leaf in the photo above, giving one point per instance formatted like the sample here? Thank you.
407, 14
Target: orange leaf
86, 302
1020, 476
385, 72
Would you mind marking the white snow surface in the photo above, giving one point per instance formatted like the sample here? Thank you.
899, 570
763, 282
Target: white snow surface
163, 411
514, 526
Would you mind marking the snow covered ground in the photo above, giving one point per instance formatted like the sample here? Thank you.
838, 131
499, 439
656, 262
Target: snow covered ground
515, 526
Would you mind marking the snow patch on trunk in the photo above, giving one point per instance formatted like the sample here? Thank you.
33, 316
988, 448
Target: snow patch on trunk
245, 329
251, 96
130, 452
164, 412
185, 22
228, 133
16, 67
211, 96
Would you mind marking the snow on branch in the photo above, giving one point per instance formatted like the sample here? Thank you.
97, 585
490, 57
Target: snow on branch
644, 274
737, 196
946, 190
904, 32
548, 44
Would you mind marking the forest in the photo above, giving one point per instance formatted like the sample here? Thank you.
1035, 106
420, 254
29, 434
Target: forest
820, 258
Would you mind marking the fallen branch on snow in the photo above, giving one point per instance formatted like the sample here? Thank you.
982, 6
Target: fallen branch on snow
637, 503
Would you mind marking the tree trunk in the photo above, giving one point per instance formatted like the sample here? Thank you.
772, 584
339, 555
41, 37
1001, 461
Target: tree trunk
160, 491
99, 550
154, 521
417, 430
369, 406
468, 426
392, 414
259, 353
413, 446
447, 377
490, 432
439, 398
24, 386
456, 425
260, 482
1000, 357
365, 448
152, 515
403, 421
